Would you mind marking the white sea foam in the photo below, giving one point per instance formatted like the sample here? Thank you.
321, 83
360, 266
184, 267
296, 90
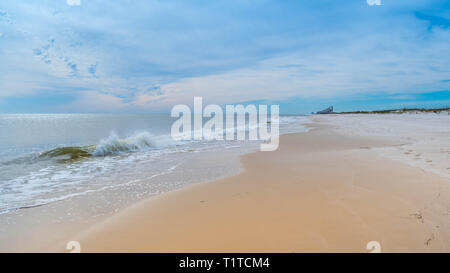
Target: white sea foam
139, 141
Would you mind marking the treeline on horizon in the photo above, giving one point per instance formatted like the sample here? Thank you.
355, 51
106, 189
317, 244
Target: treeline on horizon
401, 110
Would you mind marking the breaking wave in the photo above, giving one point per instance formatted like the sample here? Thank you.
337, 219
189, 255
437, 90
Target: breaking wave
140, 141
68, 154
111, 145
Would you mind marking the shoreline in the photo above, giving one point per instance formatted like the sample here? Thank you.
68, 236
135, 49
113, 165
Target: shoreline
48, 228
323, 197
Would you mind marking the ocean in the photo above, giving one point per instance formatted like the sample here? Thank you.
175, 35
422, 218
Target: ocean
46, 158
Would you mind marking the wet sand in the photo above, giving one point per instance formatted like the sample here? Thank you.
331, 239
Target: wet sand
319, 192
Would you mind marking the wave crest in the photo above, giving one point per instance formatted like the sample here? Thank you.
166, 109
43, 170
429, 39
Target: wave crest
111, 145
70, 153
140, 141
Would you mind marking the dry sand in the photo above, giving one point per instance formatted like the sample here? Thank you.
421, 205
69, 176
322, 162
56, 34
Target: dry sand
319, 192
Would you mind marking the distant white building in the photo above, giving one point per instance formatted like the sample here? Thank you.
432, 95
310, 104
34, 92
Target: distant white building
329, 110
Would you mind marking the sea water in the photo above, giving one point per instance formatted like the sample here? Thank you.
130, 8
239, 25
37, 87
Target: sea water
46, 158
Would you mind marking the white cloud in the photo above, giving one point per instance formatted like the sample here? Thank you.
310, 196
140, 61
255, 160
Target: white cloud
73, 2
325, 74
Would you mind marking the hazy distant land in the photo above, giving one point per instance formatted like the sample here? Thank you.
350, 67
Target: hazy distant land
402, 111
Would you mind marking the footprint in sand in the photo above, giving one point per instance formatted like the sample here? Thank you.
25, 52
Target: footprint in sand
428, 242
418, 216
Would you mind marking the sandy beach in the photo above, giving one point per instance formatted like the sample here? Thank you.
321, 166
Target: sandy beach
225, 127
321, 191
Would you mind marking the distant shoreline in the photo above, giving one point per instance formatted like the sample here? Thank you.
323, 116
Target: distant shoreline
401, 111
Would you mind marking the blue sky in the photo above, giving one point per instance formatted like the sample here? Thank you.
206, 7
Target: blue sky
147, 56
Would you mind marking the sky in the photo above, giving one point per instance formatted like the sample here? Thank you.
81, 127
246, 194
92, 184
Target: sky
133, 56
